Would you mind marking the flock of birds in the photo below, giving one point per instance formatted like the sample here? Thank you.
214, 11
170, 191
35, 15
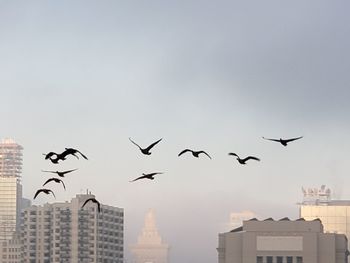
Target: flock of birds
55, 158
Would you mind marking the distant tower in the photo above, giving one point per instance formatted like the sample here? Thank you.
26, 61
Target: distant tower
150, 248
10, 187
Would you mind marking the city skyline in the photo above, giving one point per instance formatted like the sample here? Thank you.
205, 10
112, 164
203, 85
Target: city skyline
202, 75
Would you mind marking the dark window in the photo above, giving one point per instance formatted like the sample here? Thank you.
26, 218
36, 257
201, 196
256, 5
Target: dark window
279, 259
259, 259
289, 259
269, 259
299, 259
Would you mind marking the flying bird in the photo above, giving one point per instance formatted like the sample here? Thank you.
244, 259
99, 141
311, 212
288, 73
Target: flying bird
71, 151
60, 174
146, 176
94, 201
284, 142
46, 191
146, 151
56, 180
243, 161
194, 153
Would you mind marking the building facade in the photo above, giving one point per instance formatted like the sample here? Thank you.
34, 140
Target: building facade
334, 214
10, 188
282, 241
66, 232
150, 248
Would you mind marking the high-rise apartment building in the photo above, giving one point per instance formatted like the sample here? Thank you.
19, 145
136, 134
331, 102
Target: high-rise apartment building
334, 214
282, 241
66, 232
150, 248
10, 187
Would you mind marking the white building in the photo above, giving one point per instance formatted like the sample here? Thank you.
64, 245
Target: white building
66, 232
150, 247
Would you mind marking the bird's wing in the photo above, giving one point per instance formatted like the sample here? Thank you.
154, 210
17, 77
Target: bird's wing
69, 171
151, 146
152, 174
233, 154
83, 155
48, 155
135, 143
250, 157
64, 186
49, 172
184, 151
38, 192
49, 180
141, 177
293, 139
86, 201
275, 140
204, 153
52, 193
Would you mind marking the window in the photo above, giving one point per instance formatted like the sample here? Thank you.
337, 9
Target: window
269, 259
299, 259
289, 259
279, 259
259, 259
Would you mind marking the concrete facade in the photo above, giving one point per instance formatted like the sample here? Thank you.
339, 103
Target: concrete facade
282, 241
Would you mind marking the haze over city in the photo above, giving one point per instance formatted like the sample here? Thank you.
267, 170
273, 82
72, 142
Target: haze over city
215, 76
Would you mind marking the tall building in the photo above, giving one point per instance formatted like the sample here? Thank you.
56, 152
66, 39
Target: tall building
282, 241
66, 232
10, 187
150, 247
334, 214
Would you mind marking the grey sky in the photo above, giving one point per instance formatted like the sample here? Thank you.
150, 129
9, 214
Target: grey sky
208, 75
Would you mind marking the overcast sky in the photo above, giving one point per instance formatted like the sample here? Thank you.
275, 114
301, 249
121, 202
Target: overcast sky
210, 75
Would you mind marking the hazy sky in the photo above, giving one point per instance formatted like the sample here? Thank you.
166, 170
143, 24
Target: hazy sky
211, 75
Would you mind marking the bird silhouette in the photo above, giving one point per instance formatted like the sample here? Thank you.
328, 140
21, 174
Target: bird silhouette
56, 180
243, 161
94, 201
146, 151
60, 174
71, 151
46, 191
146, 176
284, 142
194, 153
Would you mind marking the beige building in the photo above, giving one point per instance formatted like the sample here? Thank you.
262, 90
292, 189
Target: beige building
334, 214
150, 248
282, 241
66, 232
